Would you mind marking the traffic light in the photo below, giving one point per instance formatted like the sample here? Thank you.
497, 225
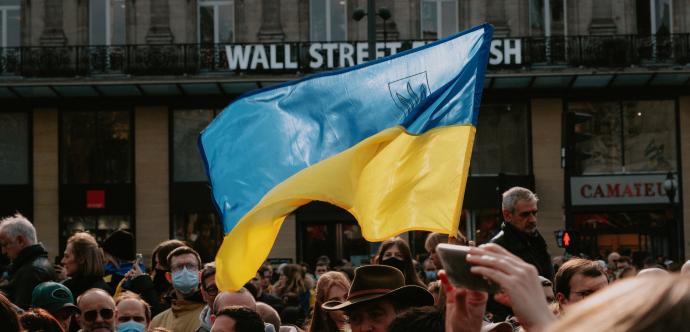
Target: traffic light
573, 133
564, 238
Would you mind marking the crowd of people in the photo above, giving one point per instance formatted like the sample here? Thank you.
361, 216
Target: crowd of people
108, 287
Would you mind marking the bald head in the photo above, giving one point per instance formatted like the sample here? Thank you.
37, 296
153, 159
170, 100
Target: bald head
241, 298
268, 314
98, 311
652, 271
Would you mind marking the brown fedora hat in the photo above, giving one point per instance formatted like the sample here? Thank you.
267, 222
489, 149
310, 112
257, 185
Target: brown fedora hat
372, 282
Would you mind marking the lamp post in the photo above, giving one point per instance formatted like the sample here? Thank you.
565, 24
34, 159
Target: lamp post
671, 188
359, 13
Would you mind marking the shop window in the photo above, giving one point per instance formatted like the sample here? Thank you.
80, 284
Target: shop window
328, 20
439, 18
627, 137
107, 22
14, 148
10, 23
501, 144
96, 147
96, 166
216, 21
194, 218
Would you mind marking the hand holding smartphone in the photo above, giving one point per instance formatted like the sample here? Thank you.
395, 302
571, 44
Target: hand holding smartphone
454, 259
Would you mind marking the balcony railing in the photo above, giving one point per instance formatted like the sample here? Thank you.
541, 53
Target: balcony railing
614, 51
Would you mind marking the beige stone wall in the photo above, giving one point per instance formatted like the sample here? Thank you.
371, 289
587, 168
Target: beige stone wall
548, 175
684, 106
286, 242
45, 178
151, 177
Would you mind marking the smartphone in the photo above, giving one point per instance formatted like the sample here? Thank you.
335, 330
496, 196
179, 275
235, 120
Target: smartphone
455, 263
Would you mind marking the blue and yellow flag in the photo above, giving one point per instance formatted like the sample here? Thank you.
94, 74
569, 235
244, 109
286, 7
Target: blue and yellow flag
389, 141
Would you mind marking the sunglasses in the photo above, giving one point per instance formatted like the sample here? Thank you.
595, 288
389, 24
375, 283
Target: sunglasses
137, 319
91, 315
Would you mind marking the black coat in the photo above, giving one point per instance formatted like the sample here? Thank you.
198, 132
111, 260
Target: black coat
79, 285
30, 268
531, 249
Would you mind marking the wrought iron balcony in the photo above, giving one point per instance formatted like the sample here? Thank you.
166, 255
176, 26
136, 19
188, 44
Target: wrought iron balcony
614, 51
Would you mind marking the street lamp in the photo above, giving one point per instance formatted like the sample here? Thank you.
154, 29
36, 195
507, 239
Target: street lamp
670, 187
359, 13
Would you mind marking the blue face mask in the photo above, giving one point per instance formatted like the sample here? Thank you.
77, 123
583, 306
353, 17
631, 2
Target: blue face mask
430, 275
185, 281
131, 326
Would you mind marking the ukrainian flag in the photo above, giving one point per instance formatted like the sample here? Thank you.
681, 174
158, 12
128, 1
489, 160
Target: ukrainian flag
390, 141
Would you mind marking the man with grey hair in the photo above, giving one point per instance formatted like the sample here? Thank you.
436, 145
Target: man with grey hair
30, 264
520, 236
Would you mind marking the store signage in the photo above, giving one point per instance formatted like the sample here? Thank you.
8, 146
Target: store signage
95, 199
619, 190
337, 55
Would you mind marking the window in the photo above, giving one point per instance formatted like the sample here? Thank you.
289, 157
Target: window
216, 21
547, 18
107, 22
96, 147
654, 17
501, 144
14, 148
194, 218
627, 137
439, 18
10, 23
328, 20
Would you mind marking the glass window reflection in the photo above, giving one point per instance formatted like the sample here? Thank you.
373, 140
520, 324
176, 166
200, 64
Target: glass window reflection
14, 148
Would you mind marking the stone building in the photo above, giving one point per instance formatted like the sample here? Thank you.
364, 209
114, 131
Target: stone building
102, 101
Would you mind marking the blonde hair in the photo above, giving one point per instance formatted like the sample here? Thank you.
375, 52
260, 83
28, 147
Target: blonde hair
320, 320
656, 303
87, 253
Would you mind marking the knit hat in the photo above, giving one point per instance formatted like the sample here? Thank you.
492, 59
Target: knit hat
120, 244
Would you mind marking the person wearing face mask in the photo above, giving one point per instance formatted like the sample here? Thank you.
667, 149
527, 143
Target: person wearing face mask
155, 289
396, 252
187, 303
134, 314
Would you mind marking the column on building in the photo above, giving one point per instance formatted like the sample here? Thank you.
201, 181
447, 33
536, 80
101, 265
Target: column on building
684, 108
548, 174
496, 15
45, 178
602, 19
271, 29
151, 180
53, 33
159, 30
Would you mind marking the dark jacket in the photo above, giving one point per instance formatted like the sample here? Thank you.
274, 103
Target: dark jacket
79, 285
144, 286
532, 249
30, 268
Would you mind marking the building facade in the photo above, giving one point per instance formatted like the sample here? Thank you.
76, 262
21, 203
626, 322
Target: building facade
102, 101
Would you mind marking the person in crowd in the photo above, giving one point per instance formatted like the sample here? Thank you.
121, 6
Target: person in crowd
98, 311
268, 315
83, 264
155, 289
519, 235
612, 262
237, 319
377, 295
30, 263
435, 289
434, 239
118, 251
547, 286
39, 320
623, 263
429, 270
627, 272
321, 268
240, 298
266, 272
521, 290
209, 290
57, 299
396, 252
183, 315
332, 286
292, 281
293, 314
577, 279
8, 315
657, 303
427, 319
651, 271
256, 287
133, 313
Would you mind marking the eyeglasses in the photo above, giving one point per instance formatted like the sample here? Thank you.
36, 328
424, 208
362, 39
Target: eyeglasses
211, 290
137, 319
91, 315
